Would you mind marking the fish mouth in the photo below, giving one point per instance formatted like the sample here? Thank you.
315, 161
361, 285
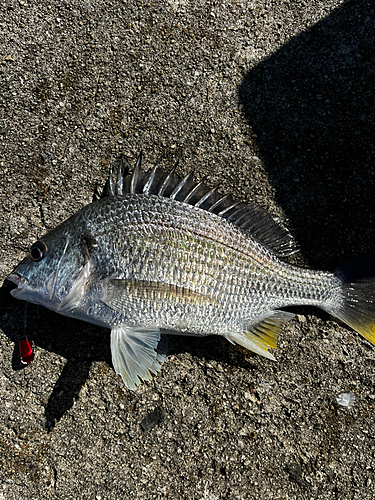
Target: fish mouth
18, 280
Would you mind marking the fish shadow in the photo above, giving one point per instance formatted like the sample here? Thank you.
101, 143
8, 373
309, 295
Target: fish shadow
311, 107
81, 344
78, 342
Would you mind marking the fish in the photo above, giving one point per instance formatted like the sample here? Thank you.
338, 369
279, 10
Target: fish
157, 254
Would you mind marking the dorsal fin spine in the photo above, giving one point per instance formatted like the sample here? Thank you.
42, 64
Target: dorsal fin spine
239, 219
111, 185
192, 192
227, 209
151, 177
212, 208
167, 179
180, 185
150, 180
135, 176
120, 178
206, 196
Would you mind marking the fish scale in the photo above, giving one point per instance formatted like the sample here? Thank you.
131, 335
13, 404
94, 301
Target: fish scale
157, 253
160, 231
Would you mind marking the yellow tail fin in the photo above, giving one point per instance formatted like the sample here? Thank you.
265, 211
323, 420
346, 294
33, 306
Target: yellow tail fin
357, 305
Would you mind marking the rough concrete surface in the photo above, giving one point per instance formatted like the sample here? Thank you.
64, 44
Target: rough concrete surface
276, 101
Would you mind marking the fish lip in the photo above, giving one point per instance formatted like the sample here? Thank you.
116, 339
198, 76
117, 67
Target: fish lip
18, 280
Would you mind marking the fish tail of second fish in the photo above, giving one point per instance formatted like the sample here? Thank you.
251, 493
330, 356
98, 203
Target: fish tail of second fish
356, 305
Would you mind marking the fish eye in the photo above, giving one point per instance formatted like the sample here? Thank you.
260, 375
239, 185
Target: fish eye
38, 251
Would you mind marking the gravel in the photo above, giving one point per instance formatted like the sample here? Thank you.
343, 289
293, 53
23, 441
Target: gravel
275, 101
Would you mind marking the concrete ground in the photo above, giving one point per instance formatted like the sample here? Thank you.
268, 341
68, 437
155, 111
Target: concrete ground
276, 101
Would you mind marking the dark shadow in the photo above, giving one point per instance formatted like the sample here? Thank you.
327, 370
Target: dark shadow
81, 343
66, 390
311, 105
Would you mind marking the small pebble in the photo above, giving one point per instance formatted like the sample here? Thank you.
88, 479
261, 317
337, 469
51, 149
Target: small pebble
346, 399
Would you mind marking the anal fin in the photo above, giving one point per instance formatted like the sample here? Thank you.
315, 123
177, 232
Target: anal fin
136, 353
262, 336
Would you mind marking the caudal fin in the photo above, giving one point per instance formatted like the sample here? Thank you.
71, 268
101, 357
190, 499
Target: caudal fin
357, 305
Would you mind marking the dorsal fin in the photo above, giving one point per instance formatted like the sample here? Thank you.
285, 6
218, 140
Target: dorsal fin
251, 218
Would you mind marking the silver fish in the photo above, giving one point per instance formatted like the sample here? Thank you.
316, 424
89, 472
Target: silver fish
157, 253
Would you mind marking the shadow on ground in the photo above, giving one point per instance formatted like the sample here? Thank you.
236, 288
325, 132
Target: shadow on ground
312, 107
81, 344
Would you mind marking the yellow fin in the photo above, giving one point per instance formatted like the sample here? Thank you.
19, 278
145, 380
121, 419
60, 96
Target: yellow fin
262, 336
369, 333
356, 303
360, 325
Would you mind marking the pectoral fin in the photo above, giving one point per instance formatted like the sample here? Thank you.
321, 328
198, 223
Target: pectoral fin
262, 336
135, 353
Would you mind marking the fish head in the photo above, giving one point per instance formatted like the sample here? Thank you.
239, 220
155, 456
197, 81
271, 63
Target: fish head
49, 271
